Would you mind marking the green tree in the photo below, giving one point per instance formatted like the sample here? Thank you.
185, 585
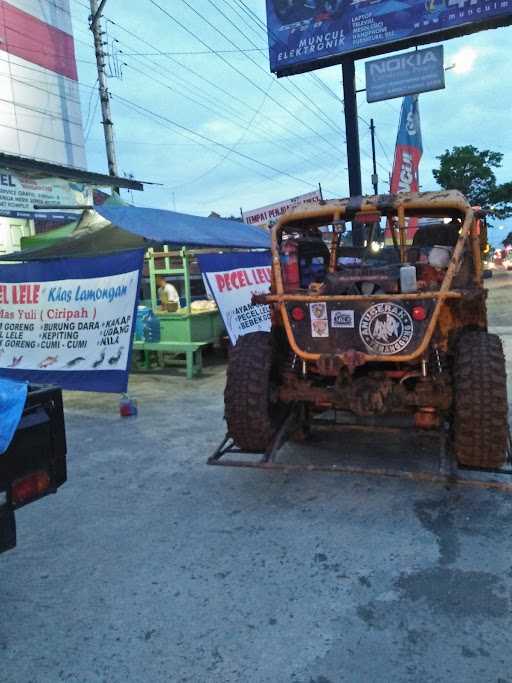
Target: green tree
471, 171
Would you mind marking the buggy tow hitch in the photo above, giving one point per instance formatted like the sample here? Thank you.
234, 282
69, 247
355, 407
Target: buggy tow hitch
448, 471
267, 459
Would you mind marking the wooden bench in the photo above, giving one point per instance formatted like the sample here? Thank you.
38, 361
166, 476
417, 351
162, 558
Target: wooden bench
192, 350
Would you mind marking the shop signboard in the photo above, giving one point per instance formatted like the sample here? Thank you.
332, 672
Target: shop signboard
232, 279
267, 216
405, 74
20, 193
310, 34
71, 324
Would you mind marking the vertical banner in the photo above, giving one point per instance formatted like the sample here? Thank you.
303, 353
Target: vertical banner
70, 322
408, 151
232, 280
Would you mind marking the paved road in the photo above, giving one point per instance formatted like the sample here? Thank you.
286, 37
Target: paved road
150, 566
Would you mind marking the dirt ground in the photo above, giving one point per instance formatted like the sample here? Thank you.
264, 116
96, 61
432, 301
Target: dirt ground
150, 566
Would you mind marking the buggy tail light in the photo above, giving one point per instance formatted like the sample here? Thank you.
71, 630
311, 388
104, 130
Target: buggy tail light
298, 313
419, 313
28, 488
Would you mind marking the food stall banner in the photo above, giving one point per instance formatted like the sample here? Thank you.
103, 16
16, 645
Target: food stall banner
70, 322
311, 34
232, 280
267, 216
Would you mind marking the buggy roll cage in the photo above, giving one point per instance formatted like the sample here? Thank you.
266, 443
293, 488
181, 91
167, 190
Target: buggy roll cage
434, 204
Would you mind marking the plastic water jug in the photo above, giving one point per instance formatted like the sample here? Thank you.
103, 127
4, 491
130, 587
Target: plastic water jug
408, 279
151, 328
142, 312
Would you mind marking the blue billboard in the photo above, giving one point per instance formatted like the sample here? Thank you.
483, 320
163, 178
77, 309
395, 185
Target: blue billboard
309, 34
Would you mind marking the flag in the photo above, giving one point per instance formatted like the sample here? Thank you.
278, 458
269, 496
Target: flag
408, 151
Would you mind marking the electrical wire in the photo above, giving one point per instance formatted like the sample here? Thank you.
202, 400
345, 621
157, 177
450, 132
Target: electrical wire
229, 150
316, 109
293, 150
231, 95
240, 73
200, 102
228, 153
313, 76
193, 53
221, 145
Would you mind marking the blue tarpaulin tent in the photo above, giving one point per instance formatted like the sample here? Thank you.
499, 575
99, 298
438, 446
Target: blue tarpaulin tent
170, 227
130, 227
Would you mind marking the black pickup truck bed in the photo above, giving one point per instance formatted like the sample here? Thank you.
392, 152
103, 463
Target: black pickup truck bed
35, 463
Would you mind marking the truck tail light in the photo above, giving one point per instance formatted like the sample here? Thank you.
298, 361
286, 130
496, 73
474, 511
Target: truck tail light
419, 313
298, 313
33, 486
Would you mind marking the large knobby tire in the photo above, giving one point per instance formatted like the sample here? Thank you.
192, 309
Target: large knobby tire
251, 408
480, 423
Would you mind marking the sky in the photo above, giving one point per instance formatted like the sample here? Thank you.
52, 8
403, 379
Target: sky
218, 132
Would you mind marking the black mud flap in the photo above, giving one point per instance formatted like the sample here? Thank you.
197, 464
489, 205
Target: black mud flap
7, 528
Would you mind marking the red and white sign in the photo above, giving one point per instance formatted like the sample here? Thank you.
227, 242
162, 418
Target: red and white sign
267, 216
40, 115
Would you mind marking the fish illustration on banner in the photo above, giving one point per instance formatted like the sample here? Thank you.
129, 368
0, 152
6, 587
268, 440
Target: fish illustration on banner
408, 151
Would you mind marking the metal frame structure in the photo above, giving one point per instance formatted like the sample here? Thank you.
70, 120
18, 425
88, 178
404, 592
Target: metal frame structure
448, 471
403, 205
166, 254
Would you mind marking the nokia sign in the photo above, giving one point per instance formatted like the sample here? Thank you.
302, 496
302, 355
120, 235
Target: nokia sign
405, 74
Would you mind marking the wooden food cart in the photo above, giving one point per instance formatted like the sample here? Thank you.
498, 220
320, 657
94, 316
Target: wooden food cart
184, 333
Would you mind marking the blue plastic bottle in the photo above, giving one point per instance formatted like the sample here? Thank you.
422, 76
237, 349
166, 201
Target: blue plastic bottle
142, 312
151, 329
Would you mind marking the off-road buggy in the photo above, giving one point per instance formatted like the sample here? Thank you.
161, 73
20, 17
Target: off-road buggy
386, 334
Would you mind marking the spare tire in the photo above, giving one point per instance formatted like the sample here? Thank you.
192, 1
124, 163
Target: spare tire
480, 421
252, 410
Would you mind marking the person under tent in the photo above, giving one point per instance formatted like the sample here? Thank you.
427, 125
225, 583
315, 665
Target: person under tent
168, 295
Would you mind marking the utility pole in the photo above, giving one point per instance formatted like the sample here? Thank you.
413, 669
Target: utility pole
352, 135
375, 177
351, 127
108, 129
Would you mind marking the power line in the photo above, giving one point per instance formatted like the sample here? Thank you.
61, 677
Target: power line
236, 121
234, 68
290, 150
329, 121
313, 76
228, 153
201, 136
138, 109
193, 53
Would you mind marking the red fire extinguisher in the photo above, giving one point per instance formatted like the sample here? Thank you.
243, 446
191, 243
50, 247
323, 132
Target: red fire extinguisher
290, 261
